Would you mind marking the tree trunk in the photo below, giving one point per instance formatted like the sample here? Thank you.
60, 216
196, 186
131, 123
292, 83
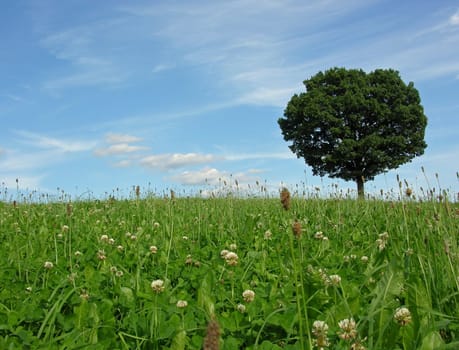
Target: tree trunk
360, 187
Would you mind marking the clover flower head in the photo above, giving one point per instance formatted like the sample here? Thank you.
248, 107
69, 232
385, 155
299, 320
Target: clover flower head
348, 329
319, 235
402, 316
181, 304
320, 330
153, 249
335, 279
233, 246
248, 295
231, 258
223, 253
104, 238
101, 255
157, 286
48, 265
364, 259
120, 248
268, 235
241, 308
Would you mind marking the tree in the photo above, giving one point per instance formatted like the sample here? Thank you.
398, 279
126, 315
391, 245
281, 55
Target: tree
353, 125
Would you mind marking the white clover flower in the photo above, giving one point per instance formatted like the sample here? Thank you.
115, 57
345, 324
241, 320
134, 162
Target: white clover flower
335, 279
325, 239
182, 304
48, 265
248, 295
101, 255
319, 235
241, 308
104, 238
153, 249
133, 237
231, 258
65, 228
364, 259
320, 330
402, 316
78, 253
268, 234
29, 289
120, 248
157, 286
113, 269
185, 238
128, 234
155, 224
119, 273
233, 246
348, 328
60, 235
111, 241
223, 253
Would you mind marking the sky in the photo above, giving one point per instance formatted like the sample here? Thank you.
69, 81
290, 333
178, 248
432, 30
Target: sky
99, 96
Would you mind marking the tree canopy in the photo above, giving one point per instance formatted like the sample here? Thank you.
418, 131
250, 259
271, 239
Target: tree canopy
355, 125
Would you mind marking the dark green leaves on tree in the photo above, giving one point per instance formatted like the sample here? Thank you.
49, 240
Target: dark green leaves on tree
353, 125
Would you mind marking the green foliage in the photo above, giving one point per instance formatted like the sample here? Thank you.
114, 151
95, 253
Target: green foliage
353, 125
98, 293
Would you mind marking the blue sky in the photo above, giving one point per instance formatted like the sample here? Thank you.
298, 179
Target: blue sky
104, 95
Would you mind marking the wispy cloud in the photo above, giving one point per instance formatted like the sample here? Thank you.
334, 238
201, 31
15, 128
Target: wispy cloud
454, 19
121, 138
118, 148
175, 160
60, 145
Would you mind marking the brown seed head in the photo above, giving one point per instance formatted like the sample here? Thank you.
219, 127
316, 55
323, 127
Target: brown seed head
285, 198
296, 228
212, 339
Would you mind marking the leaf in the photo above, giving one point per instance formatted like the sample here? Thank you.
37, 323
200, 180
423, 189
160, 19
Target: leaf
432, 341
179, 341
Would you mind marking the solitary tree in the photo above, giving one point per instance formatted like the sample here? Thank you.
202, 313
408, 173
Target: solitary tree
353, 125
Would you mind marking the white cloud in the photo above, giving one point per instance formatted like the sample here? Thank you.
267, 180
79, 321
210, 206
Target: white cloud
204, 176
250, 156
25, 182
118, 148
61, 145
454, 19
121, 138
175, 160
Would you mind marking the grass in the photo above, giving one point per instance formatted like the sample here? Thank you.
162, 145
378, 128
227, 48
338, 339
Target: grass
333, 273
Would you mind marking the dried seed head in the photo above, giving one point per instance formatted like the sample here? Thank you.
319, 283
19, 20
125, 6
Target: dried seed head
285, 198
296, 227
212, 339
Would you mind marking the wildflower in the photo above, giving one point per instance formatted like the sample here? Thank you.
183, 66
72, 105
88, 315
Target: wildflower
241, 308
348, 328
233, 246
101, 255
153, 249
113, 269
155, 224
223, 253
48, 265
29, 289
128, 234
60, 235
189, 260
382, 241
320, 330
335, 279
119, 273
268, 234
157, 286
65, 228
104, 238
185, 238
248, 295
182, 304
78, 253
120, 248
402, 316
285, 198
72, 277
133, 237
319, 235
84, 295
111, 241
231, 258
364, 259
212, 339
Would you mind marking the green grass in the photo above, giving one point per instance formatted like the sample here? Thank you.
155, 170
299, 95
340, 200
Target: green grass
98, 293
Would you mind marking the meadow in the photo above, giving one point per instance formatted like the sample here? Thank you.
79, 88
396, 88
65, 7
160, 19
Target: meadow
227, 272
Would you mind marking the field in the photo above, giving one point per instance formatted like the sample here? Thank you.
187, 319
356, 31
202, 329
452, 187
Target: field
230, 273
